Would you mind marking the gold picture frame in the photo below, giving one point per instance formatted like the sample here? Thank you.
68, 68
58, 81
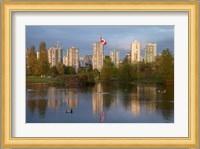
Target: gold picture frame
8, 7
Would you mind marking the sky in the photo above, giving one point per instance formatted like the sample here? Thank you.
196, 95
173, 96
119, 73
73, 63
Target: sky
118, 37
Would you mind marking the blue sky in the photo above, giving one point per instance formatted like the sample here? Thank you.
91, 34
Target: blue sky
118, 37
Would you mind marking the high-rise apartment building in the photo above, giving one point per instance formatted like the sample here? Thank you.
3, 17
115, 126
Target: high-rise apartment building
86, 61
72, 57
150, 52
81, 61
98, 55
38, 55
54, 54
114, 55
65, 60
135, 51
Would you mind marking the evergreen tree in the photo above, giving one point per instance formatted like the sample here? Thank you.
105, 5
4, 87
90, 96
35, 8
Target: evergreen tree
126, 70
165, 65
108, 69
71, 70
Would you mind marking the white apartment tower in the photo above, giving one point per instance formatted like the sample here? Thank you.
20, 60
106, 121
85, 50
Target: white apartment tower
72, 57
65, 60
135, 51
114, 55
150, 52
38, 55
98, 55
54, 54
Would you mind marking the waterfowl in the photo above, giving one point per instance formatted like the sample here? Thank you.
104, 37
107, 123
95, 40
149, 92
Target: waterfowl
69, 111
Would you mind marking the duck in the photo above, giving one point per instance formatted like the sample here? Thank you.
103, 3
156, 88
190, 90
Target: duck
164, 91
69, 111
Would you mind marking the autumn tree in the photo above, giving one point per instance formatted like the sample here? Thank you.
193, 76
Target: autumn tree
53, 71
60, 68
31, 61
43, 64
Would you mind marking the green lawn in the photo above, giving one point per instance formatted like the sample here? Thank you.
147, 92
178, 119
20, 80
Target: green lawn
33, 79
62, 80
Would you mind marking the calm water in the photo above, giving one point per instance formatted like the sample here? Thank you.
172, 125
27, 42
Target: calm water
102, 103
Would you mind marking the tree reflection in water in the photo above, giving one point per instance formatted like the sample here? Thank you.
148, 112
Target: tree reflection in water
121, 102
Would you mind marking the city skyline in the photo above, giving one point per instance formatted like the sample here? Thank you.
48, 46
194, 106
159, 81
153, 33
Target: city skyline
117, 37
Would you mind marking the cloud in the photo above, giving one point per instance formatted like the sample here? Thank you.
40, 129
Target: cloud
117, 37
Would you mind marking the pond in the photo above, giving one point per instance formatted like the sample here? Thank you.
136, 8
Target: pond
111, 102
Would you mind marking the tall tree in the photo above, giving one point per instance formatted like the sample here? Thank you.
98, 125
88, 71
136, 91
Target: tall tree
43, 64
165, 65
126, 70
31, 61
53, 71
60, 68
71, 70
108, 69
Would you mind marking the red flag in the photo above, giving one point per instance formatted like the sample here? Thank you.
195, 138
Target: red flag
103, 41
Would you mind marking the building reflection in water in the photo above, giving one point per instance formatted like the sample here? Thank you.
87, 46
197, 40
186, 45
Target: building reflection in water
135, 102
72, 98
135, 106
117, 99
97, 99
103, 101
148, 94
54, 101
151, 93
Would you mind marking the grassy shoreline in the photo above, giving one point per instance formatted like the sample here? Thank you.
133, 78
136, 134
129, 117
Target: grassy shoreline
46, 80
62, 81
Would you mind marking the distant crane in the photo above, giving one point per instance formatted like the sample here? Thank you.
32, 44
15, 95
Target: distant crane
58, 45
